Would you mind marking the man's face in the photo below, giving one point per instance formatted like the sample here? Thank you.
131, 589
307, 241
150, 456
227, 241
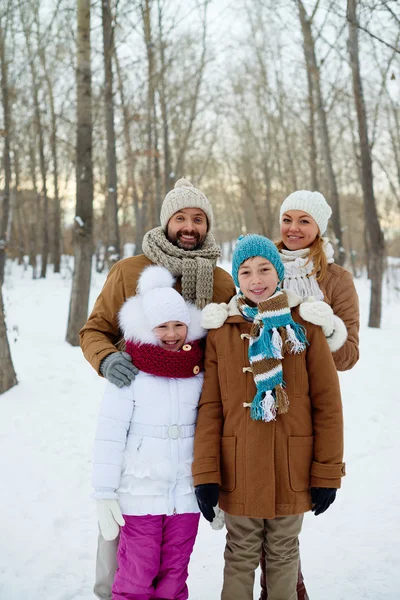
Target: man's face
187, 228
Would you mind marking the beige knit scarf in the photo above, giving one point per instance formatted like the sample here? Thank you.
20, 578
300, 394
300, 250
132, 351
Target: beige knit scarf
196, 267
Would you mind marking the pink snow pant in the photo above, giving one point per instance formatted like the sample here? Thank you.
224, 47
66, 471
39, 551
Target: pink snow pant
153, 557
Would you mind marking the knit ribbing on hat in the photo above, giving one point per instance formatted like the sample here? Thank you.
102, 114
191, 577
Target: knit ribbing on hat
250, 245
312, 203
184, 195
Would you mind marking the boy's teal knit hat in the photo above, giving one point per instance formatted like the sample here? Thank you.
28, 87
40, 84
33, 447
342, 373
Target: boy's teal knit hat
251, 245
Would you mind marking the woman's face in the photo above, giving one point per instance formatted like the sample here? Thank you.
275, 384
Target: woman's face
258, 279
298, 230
171, 335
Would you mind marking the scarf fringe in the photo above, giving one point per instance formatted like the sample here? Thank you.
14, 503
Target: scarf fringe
296, 338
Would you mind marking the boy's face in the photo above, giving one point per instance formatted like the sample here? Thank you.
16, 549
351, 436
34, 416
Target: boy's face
258, 279
172, 334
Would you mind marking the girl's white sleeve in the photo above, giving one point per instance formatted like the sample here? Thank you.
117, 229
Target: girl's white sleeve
112, 427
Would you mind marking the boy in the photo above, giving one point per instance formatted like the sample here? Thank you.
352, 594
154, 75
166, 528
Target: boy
269, 436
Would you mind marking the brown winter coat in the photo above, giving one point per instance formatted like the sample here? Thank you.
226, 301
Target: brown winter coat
266, 470
100, 334
341, 295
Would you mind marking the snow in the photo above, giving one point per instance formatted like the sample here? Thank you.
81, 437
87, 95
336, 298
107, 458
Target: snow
47, 519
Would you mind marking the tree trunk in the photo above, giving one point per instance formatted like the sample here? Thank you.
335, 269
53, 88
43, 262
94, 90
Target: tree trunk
84, 179
112, 229
130, 158
56, 221
311, 131
375, 235
8, 377
310, 57
39, 134
168, 175
5, 224
150, 219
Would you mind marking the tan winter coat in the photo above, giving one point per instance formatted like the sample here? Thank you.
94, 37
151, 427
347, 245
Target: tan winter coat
100, 334
266, 470
341, 295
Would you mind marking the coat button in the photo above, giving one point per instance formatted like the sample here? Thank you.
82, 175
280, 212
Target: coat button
174, 432
196, 369
186, 347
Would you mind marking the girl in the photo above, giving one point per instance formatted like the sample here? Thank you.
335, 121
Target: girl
144, 444
267, 452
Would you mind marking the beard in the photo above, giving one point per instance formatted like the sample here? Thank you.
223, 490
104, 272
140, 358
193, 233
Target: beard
196, 243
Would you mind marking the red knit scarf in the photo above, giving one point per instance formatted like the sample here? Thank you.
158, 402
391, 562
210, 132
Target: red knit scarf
186, 362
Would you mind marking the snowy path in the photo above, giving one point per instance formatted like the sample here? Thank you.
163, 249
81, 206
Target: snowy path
47, 519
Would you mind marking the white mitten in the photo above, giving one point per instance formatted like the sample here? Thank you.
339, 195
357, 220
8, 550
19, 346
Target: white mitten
319, 313
219, 520
214, 315
110, 518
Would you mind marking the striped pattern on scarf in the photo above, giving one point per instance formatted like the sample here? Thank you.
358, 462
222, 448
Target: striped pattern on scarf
272, 335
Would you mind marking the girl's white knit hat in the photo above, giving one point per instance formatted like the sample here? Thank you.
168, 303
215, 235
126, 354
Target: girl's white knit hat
157, 302
184, 195
161, 302
312, 203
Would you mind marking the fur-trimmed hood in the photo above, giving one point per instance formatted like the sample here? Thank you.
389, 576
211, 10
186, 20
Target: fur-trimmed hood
132, 318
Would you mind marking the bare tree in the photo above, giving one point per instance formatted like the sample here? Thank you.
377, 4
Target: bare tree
8, 377
376, 239
111, 217
84, 179
313, 68
40, 136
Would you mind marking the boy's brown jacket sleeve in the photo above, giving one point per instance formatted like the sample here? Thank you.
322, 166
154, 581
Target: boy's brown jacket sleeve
207, 439
327, 467
101, 332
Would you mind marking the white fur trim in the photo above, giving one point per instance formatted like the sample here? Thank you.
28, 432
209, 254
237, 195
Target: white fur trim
153, 277
133, 323
340, 335
195, 329
214, 315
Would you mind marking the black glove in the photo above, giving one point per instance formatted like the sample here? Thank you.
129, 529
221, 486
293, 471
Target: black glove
322, 498
207, 497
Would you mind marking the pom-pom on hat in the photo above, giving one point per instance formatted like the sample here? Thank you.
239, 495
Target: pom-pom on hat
184, 195
251, 245
312, 203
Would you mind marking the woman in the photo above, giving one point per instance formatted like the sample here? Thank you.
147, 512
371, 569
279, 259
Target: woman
328, 292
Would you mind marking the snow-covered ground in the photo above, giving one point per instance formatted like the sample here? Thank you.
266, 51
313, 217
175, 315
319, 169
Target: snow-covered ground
47, 518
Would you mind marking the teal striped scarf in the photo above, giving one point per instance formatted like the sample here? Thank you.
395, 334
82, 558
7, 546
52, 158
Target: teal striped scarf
272, 335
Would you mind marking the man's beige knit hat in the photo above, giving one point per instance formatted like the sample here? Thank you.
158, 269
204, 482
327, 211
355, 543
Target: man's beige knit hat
184, 195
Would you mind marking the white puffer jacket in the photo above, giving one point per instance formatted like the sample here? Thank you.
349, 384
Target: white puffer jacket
143, 448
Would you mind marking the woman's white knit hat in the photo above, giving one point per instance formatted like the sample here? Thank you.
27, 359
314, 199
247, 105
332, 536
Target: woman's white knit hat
184, 195
312, 203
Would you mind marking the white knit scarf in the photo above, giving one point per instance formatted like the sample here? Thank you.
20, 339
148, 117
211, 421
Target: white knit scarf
298, 272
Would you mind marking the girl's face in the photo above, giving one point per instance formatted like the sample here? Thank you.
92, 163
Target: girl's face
258, 279
172, 334
298, 230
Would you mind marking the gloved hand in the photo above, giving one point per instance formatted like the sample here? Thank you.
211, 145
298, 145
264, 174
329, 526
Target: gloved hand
214, 315
117, 367
207, 498
319, 313
110, 518
322, 498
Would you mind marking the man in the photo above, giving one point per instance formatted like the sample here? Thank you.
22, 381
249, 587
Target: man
185, 246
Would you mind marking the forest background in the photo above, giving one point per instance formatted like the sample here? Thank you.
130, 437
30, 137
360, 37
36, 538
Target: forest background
105, 104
